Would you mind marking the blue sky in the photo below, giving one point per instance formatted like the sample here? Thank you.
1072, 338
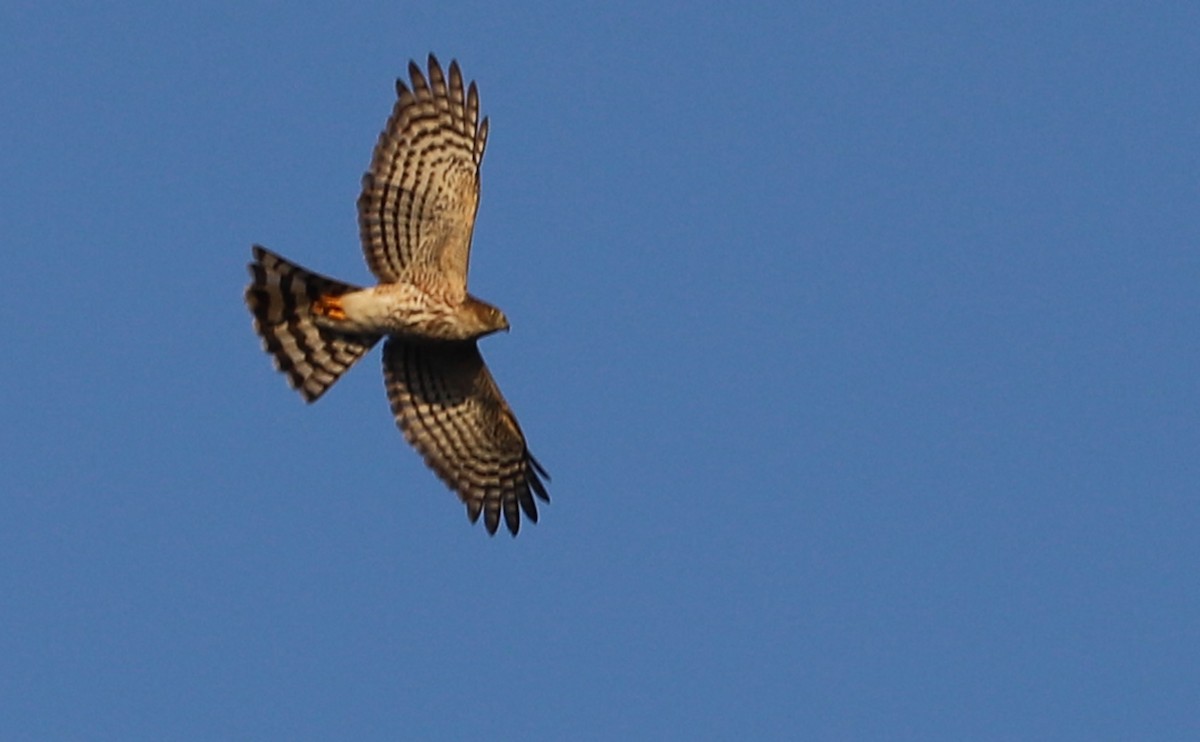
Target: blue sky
860, 340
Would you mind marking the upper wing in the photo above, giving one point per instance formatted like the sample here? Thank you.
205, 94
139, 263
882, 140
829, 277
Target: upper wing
450, 409
419, 197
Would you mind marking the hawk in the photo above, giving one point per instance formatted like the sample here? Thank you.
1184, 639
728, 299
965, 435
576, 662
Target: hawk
415, 215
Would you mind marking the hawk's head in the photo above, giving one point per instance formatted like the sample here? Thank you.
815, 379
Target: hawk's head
482, 318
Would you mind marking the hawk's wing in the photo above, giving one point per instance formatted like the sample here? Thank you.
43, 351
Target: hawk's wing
419, 197
450, 409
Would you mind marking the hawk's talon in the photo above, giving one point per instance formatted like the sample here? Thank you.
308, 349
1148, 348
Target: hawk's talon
329, 306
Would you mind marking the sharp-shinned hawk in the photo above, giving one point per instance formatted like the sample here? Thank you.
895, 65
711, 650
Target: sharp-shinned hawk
416, 214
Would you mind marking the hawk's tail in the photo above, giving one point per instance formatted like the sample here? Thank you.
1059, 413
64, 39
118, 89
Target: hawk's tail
280, 297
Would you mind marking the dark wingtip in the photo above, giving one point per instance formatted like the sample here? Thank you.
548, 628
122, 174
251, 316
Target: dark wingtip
538, 466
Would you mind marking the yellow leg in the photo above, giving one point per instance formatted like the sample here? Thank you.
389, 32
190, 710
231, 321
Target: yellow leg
329, 306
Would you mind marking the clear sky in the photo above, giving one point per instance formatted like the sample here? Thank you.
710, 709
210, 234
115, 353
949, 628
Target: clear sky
860, 340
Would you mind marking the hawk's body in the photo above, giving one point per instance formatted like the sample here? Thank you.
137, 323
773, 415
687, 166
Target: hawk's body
416, 216
407, 310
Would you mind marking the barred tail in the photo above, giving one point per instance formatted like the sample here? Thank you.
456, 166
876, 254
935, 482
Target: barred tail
280, 296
